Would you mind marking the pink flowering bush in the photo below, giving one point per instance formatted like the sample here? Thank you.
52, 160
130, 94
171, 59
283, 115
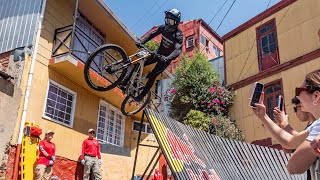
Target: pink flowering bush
197, 98
217, 100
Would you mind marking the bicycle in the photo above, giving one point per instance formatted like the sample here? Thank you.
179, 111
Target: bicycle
113, 64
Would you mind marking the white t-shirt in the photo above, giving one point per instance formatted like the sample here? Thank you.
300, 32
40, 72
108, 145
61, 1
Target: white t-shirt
313, 130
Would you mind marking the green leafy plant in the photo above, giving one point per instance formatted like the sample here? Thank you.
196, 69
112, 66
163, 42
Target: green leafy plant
197, 98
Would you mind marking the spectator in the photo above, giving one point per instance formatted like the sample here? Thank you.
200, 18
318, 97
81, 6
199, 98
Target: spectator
282, 119
309, 96
46, 157
90, 152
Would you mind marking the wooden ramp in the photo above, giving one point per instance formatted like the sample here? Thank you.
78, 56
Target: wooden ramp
194, 154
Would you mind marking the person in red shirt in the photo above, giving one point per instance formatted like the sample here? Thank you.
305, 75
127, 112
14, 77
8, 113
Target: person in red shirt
46, 158
90, 152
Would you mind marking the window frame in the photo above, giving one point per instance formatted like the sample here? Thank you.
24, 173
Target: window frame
273, 94
145, 129
93, 29
264, 56
187, 41
73, 108
117, 111
203, 38
215, 50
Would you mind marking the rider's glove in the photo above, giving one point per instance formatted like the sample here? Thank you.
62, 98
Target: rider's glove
139, 45
163, 58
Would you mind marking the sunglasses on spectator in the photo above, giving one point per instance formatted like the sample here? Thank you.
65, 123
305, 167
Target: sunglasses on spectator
92, 132
300, 89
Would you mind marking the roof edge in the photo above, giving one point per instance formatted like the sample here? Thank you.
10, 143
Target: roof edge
116, 19
268, 12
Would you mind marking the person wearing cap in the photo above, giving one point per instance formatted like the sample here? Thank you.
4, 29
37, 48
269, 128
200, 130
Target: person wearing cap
90, 152
46, 158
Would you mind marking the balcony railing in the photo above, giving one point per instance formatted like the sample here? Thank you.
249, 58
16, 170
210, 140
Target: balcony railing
73, 40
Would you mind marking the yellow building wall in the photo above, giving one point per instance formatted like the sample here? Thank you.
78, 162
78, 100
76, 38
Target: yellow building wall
252, 128
68, 140
297, 29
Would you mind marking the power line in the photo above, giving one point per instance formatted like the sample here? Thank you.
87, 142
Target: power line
251, 49
253, 43
147, 20
222, 18
214, 17
217, 12
145, 14
226, 14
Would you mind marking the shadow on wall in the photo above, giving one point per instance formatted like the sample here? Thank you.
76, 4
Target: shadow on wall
6, 87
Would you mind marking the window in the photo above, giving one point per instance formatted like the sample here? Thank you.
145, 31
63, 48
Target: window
216, 50
110, 125
272, 93
267, 43
87, 38
146, 127
190, 42
136, 126
203, 40
60, 104
149, 129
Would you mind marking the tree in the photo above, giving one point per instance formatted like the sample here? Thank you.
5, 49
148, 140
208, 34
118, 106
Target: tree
199, 100
193, 77
152, 45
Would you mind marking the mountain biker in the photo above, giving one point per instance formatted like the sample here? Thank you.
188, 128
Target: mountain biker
169, 49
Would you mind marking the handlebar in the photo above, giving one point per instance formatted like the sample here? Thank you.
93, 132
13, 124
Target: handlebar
145, 48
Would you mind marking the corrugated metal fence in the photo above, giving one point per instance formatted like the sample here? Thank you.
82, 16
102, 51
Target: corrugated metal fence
18, 20
194, 154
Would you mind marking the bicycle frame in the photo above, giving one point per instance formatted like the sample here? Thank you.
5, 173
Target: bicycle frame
109, 69
137, 74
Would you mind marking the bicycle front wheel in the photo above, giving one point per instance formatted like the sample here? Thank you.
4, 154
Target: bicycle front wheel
103, 69
130, 107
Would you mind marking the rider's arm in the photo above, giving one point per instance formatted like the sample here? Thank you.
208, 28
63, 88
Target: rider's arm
177, 48
152, 35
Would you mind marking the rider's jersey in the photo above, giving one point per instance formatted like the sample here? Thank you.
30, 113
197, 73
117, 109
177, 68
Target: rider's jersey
171, 42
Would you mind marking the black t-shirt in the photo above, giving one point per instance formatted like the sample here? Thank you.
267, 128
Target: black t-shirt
171, 42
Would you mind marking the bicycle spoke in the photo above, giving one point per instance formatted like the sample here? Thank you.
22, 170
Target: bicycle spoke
106, 56
96, 65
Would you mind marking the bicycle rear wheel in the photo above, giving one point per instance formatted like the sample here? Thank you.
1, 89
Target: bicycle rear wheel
130, 107
100, 64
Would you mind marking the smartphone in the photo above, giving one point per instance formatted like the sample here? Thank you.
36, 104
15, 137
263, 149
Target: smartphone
280, 103
256, 94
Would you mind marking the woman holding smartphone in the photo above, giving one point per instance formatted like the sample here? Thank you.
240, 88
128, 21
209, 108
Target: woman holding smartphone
309, 96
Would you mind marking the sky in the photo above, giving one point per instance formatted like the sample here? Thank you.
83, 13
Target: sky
140, 16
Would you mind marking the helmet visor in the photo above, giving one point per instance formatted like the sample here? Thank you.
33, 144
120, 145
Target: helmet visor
170, 21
